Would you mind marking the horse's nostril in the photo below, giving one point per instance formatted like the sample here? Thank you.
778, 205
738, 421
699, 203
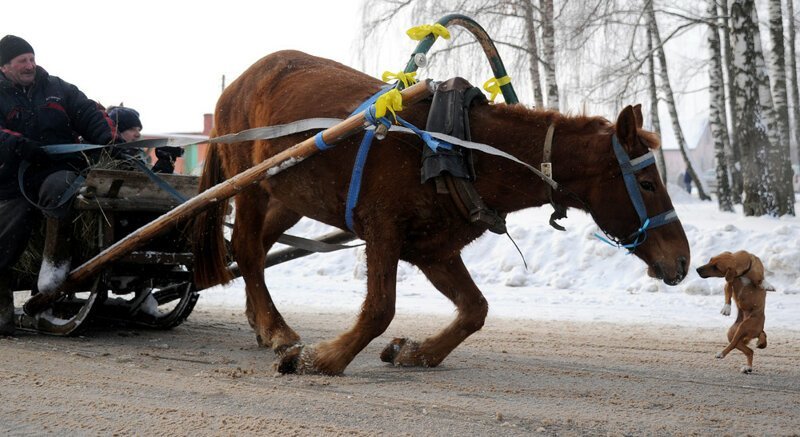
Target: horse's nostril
682, 265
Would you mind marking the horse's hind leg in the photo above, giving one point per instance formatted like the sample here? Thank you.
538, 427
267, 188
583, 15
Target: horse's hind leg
452, 279
332, 357
258, 215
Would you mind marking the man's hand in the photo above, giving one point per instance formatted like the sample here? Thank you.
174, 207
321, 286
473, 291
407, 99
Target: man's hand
168, 152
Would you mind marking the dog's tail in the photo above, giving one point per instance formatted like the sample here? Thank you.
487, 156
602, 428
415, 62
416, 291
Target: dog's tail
762, 340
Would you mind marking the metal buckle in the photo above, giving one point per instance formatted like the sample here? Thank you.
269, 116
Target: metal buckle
547, 169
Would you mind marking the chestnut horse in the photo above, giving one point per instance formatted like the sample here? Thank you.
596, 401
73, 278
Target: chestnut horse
397, 217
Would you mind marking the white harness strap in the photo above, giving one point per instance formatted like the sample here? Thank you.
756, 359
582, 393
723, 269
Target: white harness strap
547, 166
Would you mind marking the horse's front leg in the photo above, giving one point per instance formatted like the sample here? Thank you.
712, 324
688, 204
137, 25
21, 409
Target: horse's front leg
331, 357
452, 279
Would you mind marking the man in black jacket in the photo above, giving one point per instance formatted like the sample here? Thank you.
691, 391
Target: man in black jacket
37, 109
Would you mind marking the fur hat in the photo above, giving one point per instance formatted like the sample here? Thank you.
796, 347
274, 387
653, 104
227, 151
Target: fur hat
12, 46
124, 118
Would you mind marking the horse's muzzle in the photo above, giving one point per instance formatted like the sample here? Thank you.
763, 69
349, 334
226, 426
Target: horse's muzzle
674, 277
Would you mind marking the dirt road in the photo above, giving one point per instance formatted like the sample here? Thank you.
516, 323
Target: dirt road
207, 377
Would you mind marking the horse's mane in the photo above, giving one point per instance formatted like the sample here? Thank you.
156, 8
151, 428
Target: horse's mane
573, 123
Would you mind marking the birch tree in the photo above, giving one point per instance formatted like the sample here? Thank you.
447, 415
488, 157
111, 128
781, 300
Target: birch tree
733, 153
529, 12
793, 88
761, 159
783, 168
719, 130
548, 42
669, 97
652, 89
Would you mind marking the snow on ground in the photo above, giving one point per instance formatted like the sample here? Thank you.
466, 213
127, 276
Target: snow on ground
570, 275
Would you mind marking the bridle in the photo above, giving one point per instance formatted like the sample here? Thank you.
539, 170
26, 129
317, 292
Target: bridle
629, 168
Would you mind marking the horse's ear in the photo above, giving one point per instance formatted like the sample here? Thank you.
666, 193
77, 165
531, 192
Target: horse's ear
637, 112
626, 127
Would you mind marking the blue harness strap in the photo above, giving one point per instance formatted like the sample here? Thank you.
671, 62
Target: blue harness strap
629, 168
66, 196
354, 187
355, 178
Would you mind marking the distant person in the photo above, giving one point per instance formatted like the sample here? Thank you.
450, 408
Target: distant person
687, 181
37, 109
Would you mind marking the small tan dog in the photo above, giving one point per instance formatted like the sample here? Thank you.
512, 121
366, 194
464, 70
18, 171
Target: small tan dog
744, 281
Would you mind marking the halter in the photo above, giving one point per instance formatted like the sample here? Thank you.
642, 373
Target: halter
629, 169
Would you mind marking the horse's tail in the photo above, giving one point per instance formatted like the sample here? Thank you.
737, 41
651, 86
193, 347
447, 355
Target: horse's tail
210, 251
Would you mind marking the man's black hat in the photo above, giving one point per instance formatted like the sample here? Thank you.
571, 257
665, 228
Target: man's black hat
12, 46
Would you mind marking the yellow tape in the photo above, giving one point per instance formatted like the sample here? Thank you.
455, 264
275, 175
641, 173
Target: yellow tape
418, 33
406, 78
391, 101
493, 85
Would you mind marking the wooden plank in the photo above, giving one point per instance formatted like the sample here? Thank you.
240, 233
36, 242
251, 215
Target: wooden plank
135, 185
136, 204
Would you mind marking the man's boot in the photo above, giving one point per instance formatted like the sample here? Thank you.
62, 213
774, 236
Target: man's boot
6, 305
56, 255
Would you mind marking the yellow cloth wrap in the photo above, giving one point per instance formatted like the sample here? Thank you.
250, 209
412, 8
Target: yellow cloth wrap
406, 78
493, 85
392, 101
418, 33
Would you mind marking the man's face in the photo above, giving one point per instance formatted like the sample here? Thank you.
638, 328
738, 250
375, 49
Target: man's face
21, 70
131, 134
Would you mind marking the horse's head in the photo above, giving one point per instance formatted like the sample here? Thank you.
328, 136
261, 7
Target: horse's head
631, 204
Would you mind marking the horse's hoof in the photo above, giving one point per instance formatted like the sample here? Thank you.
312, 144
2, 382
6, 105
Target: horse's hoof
392, 350
296, 359
720, 355
404, 352
746, 369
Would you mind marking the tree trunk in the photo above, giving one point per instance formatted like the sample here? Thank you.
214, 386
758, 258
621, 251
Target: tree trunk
655, 122
670, 99
751, 118
793, 89
733, 153
533, 68
548, 48
717, 110
781, 164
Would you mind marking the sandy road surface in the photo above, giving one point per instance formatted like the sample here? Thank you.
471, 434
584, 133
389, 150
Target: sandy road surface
207, 377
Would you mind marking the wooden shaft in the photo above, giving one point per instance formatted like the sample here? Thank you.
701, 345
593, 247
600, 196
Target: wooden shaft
230, 188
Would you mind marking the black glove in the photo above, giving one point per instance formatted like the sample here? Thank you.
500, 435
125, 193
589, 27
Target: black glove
170, 153
32, 151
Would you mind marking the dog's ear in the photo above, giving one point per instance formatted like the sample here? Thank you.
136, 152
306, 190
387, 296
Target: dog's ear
730, 273
756, 273
742, 262
727, 262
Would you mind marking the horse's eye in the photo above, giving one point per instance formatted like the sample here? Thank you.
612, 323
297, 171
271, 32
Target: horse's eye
647, 186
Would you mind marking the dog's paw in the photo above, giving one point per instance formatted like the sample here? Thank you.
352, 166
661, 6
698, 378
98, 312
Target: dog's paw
720, 355
726, 310
746, 369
